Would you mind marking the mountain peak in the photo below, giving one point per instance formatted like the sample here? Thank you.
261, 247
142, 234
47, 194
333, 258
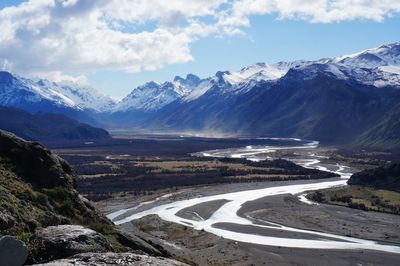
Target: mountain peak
192, 77
6, 77
151, 84
178, 78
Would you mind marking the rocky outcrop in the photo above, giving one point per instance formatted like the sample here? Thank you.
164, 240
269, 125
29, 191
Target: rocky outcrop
12, 252
136, 243
40, 205
103, 259
35, 164
55, 242
37, 189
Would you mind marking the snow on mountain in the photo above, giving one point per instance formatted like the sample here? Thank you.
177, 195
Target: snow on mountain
388, 54
238, 81
150, 96
378, 66
153, 96
16, 91
82, 97
185, 85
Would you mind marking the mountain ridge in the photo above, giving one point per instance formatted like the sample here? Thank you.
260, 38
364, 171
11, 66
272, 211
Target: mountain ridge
47, 126
304, 99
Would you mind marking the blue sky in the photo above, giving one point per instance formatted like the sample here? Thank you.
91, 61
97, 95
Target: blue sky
266, 39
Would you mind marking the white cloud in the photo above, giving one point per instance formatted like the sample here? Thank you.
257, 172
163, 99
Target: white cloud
77, 36
58, 76
167, 13
84, 36
314, 11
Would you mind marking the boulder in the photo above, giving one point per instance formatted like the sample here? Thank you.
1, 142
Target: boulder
12, 252
62, 241
103, 259
136, 243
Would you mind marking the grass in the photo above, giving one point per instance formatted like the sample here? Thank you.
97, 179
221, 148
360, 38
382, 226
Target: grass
109, 233
194, 166
360, 197
61, 199
100, 180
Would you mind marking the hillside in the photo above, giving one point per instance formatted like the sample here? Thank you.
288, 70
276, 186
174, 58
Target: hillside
47, 126
375, 189
349, 100
320, 107
387, 178
40, 206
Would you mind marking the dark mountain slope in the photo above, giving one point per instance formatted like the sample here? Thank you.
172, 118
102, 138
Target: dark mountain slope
386, 133
313, 106
200, 115
324, 108
46, 126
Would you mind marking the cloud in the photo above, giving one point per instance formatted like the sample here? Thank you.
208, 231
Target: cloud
75, 36
84, 36
314, 11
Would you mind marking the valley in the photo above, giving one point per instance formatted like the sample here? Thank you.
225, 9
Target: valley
266, 221
187, 132
287, 163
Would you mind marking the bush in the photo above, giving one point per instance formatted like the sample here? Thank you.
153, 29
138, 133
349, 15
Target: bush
61, 200
317, 196
360, 206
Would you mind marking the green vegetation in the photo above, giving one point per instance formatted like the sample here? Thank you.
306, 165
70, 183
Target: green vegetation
101, 178
359, 197
387, 177
371, 190
37, 189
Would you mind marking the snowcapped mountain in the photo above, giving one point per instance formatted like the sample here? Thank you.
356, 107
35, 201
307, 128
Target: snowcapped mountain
238, 82
152, 96
334, 100
384, 55
42, 95
377, 66
82, 97
192, 99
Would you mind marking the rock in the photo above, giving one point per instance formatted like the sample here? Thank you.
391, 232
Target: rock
36, 164
62, 241
12, 252
103, 259
137, 243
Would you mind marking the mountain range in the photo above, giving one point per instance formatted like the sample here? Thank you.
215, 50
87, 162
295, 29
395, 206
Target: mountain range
346, 100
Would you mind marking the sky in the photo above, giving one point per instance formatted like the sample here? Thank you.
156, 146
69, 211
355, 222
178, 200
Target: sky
116, 45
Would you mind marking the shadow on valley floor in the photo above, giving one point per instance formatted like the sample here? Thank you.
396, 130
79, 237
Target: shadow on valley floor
134, 165
148, 163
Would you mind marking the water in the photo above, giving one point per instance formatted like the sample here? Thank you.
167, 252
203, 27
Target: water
227, 213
